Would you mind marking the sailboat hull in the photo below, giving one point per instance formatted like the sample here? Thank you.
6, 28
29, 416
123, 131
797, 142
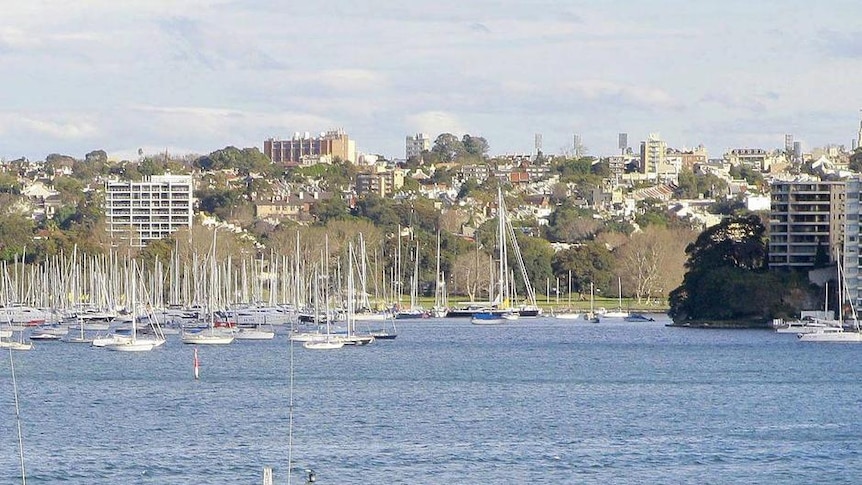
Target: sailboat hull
488, 318
131, 346
833, 335
16, 345
530, 312
253, 334
208, 339
328, 344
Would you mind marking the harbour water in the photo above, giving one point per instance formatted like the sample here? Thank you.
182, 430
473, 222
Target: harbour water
531, 401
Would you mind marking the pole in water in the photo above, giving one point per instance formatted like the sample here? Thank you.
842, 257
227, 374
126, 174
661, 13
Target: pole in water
197, 365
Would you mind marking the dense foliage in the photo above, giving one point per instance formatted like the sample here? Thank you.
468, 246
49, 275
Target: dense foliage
727, 277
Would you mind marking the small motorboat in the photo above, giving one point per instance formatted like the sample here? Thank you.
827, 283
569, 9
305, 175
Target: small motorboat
639, 317
45, 337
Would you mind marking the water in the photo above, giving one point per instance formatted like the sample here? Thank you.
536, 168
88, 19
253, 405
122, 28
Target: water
532, 401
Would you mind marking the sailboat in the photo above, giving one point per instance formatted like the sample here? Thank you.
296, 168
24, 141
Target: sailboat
415, 310
619, 312
18, 344
257, 332
17, 418
209, 335
837, 333
567, 313
439, 309
501, 308
325, 341
134, 343
11, 343
592, 316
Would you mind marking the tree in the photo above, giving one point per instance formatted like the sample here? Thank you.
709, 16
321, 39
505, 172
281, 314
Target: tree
536, 254
589, 263
856, 160
475, 146
726, 277
380, 211
447, 147
244, 161
653, 261
16, 233
329, 209
470, 274
570, 224
737, 242
693, 186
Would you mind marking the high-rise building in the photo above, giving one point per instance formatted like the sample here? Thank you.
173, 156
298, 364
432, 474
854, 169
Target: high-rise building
852, 242
806, 222
623, 143
417, 144
578, 146
140, 212
788, 143
307, 150
653, 153
859, 136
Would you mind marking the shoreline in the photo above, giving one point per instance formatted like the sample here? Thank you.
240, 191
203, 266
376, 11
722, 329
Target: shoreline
722, 324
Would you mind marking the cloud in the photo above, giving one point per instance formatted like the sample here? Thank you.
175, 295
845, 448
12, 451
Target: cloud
479, 28
213, 46
435, 122
636, 96
204, 123
57, 126
840, 44
349, 80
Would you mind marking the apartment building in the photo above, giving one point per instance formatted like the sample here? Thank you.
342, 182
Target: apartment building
416, 144
806, 222
653, 155
851, 259
303, 149
755, 158
140, 212
384, 184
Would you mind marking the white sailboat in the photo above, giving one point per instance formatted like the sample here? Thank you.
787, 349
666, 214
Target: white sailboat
440, 304
619, 312
837, 334
209, 335
257, 332
592, 316
134, 343
567, 313
323, 341
9, 342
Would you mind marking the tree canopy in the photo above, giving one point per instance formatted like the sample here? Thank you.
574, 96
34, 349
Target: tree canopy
727, 278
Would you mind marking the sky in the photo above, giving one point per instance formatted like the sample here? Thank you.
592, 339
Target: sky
194, 76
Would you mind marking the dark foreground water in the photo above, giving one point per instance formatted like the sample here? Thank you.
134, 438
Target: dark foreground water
534, 401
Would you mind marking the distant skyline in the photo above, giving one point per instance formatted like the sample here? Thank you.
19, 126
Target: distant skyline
195, 76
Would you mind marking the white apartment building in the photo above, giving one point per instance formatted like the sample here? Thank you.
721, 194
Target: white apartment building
140, 212
416, 144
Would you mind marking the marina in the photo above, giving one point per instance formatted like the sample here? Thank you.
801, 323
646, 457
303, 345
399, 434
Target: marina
529, 401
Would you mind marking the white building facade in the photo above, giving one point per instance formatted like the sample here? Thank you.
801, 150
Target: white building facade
416, 144
140, 212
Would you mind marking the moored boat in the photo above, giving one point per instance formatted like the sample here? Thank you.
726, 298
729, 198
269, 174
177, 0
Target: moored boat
638, 317
832, 334
487, 318
324, 344
567, 315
